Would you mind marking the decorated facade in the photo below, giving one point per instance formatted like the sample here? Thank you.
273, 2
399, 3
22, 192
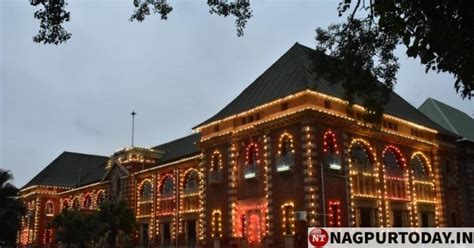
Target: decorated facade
286, 154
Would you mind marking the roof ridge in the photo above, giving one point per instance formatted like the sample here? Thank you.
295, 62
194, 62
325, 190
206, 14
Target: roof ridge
83, 154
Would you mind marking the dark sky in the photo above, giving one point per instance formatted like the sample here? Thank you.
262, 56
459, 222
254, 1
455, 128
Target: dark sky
175, 74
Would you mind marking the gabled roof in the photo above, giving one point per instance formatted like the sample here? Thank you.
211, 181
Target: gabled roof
450, 118
179, 148
291, 74
71, 170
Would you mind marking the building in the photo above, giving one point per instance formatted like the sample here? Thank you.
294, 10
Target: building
286, 154
461, 124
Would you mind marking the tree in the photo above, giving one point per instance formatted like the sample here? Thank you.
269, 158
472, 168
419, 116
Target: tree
11, 209
114, 219
439, 32
361, 50
73, 227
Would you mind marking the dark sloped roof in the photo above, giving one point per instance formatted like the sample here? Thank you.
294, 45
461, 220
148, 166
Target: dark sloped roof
71, 170
179, 148
450, 118
290, 74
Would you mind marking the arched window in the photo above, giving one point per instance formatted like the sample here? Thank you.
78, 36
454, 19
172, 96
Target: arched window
393, 158
419, 165
192, 185
75, 203
49, 208
360, 157
331, 152
215, 172
87, 204
146, 191
65, 204
288, 218
363, 176
251, 161
167, 187
100, 197
216, 161
285, 158
216, 224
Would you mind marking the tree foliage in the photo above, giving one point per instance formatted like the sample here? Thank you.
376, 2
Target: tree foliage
11, 209
440, 33
73, 227
103, 227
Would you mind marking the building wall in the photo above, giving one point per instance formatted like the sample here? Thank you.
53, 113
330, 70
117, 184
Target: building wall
274, 199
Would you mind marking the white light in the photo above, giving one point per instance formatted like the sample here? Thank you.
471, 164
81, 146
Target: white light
250, 175
335, 166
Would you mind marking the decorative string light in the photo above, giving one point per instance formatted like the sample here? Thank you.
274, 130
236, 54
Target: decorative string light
371, 176
288, 218
216, 161
285, 140
334, 215
216, 231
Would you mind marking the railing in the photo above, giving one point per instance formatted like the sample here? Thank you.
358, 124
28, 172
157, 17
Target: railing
285, 163
250, 171
215, 176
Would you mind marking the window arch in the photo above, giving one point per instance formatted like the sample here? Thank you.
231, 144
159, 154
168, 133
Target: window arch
251, 161
49, 208
87, 203
286, 151
360, 155
75, 202
192, 182
216, 161
288, 218
251, 154
331, 152
216, 224
285, 145
146, 190
65, 204
420, 164
167, 187
393, 158
100, 197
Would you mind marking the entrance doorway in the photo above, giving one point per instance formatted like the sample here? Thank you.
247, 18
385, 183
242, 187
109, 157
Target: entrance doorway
366, 217
190, 229
144, 234
166, 234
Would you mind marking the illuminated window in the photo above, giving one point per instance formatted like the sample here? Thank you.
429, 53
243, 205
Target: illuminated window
360, 156
146, 191
364, 178
251, 162
288, 218
87, 204
49, 208
192, 185
216, 224
75, 203
65, 204
168, 187
334, 213
285, 158
100, 197
215, 172
419, 165
332, 157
